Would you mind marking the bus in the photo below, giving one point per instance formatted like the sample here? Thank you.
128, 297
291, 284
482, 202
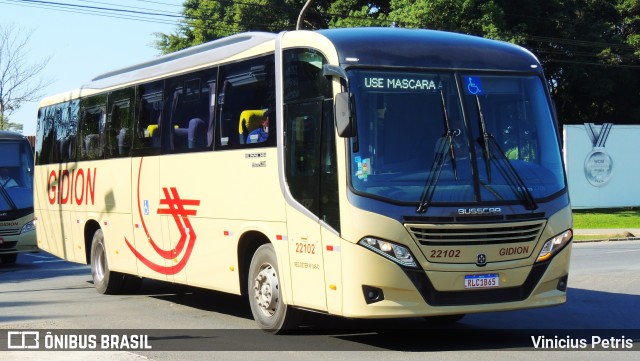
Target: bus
17, 230
363, 172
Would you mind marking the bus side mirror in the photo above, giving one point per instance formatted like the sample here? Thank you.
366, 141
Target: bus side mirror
345, 124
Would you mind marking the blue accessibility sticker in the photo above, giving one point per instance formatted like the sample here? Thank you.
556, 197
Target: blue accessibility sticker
473, 85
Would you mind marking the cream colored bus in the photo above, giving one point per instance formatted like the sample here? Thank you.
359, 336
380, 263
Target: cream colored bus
366, 173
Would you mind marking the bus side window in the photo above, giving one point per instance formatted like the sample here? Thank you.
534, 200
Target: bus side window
194, 117
245, 94
187, 112
66, 131
92, 126
148, 110
120, 121
57, 133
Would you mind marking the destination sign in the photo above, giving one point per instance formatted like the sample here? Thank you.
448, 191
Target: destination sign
402, 83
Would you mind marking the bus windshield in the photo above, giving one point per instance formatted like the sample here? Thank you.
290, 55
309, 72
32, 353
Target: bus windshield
16, 172
415, 145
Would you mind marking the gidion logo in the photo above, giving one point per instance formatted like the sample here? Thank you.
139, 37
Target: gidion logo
75, 186
173, 205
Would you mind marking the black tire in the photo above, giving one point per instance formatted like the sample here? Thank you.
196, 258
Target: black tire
444, 320
265, 293
105, 280
9, 258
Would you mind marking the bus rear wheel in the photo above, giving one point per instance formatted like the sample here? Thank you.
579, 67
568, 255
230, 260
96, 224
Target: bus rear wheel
265, 293
105, 280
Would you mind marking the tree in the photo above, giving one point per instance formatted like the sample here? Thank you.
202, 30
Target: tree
206, 20
585, 47
19, 77
589, 49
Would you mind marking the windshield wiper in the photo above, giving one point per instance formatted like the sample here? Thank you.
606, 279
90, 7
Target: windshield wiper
449, 134
7, 197
444, 147
492, 150
484, 140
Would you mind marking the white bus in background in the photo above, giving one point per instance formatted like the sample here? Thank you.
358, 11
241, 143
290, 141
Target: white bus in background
17, 231
366, 173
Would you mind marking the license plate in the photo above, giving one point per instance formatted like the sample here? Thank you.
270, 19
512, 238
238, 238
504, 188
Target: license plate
482, 281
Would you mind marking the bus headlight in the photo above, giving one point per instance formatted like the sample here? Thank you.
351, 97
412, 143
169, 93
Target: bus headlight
395, 252
28, 227
553, 245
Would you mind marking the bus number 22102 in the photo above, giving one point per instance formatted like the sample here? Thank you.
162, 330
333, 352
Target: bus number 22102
305, 248
445, 253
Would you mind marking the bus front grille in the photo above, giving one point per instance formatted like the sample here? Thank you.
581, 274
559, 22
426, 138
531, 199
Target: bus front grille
461, 234
9, 232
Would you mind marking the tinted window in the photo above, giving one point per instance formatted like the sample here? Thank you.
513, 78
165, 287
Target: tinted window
310, 142
120, 122
148, 110
92, 127
246, 99
189, 112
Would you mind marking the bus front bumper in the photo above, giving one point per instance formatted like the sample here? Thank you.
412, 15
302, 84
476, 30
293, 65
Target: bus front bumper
374, 287
24, 242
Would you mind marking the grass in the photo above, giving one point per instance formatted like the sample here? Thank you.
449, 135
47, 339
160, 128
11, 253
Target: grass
606, 218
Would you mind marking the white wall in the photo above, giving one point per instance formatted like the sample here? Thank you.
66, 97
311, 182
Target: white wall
598, 184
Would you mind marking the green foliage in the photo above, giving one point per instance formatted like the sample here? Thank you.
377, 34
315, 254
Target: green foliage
606, 218
589, 49
5, 124
207, 20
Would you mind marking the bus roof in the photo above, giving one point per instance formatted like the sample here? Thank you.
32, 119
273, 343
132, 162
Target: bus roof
427, 48
183, 60
189, 58
8, 135
355, 46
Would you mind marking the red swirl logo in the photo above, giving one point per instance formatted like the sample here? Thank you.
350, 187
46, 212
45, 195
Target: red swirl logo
176, 207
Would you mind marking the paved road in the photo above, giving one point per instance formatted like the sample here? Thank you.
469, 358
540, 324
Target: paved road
42, 292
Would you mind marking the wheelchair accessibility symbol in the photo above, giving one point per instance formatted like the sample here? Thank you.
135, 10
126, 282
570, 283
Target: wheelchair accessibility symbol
473, 85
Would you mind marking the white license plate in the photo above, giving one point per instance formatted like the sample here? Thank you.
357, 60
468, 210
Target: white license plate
482, 281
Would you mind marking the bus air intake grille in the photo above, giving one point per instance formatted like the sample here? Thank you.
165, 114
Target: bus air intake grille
8, 245
9, 232
475, 234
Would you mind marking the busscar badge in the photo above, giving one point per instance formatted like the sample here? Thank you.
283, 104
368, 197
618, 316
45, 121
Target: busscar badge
481, 260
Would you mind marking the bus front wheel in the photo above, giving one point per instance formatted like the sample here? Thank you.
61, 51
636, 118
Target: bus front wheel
265, 293
105, 280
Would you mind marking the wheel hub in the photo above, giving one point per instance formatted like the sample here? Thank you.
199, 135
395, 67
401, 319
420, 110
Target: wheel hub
267, 290
99, 264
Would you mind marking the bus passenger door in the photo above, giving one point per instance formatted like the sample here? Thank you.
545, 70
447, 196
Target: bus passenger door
302, 169
307, 266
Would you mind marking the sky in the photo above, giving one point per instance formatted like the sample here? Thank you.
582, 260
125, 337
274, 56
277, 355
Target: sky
83, 45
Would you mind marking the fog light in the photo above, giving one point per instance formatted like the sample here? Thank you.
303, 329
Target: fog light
372, 294
562, 284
